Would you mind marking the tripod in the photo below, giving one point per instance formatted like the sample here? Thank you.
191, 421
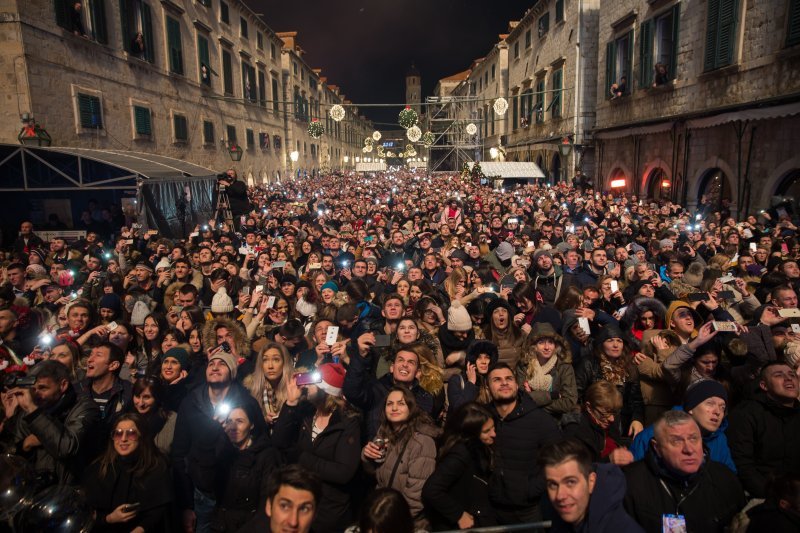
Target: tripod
223, 212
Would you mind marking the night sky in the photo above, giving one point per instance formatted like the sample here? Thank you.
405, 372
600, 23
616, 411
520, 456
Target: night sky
367, 47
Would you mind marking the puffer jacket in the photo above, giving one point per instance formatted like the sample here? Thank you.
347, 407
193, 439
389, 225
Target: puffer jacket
62, 429
417, 461
764, 437
563, 394
516, 481
715, 442
708, 500
237, 331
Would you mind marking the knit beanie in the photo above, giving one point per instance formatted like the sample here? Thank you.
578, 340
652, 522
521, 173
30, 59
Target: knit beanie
702, 391
504, 251
139, 313
38, 271
178, 353
221, 302
228, 359
110, 301
458, 318
540, 252
330, 285
332, 378
163, 263
693, 275
664, 244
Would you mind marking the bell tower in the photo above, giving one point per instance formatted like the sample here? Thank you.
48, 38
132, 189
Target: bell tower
414, 89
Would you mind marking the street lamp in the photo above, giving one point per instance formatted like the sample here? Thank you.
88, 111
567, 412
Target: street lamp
346, 159
32, 134
493, 152
235, 151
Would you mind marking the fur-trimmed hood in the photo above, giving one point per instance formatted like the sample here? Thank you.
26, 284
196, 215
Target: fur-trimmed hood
236, 329
639, 306
563, 351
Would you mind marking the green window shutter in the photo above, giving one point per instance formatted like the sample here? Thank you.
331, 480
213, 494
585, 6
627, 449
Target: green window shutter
712, 29
175, 47
61, 9
555, 106
208, 132
672, 71
142, 123
726, 31
181, 128
646, 54
231, 133
203, 60
514, 104
275, 99
559, 10
611, 67
147, 31
227, 72
629, 66
125, 23
251, 139
89, 111
262, 89
793, 32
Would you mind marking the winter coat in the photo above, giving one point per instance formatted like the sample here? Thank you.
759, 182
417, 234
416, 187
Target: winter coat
606, 513
516, 482
634, 311
459, 484
632, 404
716, 443
417, 461
460, 389
64, 431
656, 382
551, 286
199, 441
509, 350
334, 456
764, 438
369, 394
563, 394
242, 484
118, 486
770, 517
237, 332
593, 436
708, 500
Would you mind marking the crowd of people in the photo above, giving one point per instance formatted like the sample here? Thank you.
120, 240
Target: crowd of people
400, 352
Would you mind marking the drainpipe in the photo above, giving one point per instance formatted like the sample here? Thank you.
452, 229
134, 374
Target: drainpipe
577, 128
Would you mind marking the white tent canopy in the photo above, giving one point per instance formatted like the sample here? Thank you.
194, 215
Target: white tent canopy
370, 167
510, 169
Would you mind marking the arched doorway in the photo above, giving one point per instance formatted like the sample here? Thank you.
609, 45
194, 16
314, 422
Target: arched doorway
555, 169
715, 188
656, 182
788, 192
617, 181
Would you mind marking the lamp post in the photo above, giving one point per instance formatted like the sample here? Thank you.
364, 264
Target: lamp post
235, 151
493, 152
564, 149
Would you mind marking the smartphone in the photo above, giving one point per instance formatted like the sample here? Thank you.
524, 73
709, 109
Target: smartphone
131, 507
381, 341
508, 282
614, 286
789, 313
314, 266
369, 238
225, 346
753, 247
279, 264
583, 322
331, 335
308, 378
111, 326
724, 326
725, 295
246, 290
726, 279
698, 297
796, 329
258, 289
270, 302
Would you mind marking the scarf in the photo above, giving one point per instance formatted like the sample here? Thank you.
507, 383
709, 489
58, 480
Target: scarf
613, 371
541, 379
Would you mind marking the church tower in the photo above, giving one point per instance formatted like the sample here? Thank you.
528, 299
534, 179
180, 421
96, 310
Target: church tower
414, 89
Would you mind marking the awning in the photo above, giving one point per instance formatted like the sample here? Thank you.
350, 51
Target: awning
510, 169
639, 130
29, 168
370, 167
762, 113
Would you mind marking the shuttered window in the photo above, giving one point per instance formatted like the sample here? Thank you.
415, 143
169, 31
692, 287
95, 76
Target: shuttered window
515, 112
249, 89
208, 132
181, 128
251, 139
175, 46
227, 72
559, 10
231, 133
658, 48
555, 104
136, 17
262, 89
619, 62
275, 99
223, 13
90, 113
720, 33
204, 60
539, 106
793, 32
141, 121
93, 18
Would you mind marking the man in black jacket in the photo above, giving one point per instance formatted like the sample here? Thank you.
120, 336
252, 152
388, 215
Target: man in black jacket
197, 433
675, 483
764, 432
49, 423
237, 194
522, 430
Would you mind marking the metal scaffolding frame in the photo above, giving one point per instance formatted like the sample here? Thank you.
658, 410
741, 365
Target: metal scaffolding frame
447, 118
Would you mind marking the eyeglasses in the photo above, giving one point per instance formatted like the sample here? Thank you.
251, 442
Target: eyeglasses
130, 434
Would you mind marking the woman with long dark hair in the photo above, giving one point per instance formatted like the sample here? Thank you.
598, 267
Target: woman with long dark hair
148, 402
471, 384
456, 495
403, 454
129, 486
151, 334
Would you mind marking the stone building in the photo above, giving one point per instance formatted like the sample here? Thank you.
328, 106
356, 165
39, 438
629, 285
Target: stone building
489, 78
180, 78
414, 89
709, 103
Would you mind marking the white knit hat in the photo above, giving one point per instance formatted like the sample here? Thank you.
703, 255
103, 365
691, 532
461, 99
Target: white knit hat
458, 318
164, 263
139, 313
221, 302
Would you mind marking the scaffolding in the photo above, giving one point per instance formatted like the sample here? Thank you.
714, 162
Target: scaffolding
447, 118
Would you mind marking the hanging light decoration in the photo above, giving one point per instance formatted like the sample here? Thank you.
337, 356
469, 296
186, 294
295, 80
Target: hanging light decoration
368, 148
500, 106
368, 141
315, 129
376, 135
472, 129
427, 139
413, 133
408, 117
337, 113
380, 150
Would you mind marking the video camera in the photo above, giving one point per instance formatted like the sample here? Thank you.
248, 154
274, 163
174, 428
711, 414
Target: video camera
17, 380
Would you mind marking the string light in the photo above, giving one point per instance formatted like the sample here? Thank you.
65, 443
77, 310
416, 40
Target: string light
337, 113
472, 129
315, 129
500, 106
376, 135
414, 133
408, 118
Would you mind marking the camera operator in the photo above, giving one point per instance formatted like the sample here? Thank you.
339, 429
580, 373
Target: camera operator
48, 422
237, 193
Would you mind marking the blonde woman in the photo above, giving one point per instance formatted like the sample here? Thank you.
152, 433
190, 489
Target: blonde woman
456, 285
267, 383
545, 371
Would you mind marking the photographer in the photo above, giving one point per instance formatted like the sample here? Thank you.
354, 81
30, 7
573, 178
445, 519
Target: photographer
237, 193
47, 421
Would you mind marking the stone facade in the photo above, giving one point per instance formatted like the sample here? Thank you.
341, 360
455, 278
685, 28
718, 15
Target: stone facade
212, 73
718, 120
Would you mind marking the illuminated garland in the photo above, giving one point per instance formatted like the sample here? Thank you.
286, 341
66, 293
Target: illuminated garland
472, 129
337, 113
376, 135
315, 129
414, 133
408, 117
427, 139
